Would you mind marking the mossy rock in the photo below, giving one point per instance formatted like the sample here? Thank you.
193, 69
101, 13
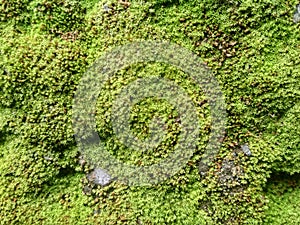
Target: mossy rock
251, 47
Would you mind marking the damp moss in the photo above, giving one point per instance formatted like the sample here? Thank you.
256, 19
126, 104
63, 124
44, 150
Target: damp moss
251, 47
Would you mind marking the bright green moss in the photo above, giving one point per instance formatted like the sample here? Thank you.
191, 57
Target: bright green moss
252, 48
286, 138
283, 193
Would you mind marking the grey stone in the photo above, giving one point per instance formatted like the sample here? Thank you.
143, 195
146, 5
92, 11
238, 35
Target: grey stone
246, 149
230, 174
48, 158
296, 17
106, 8
87, 190
99, 177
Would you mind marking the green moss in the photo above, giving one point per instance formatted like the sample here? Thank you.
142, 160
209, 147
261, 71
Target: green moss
13, 10
252, 48
283, 193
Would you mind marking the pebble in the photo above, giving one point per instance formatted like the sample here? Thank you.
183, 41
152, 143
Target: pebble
246, 149
106, 8
296, 17
87, 190
99, 177
48, 158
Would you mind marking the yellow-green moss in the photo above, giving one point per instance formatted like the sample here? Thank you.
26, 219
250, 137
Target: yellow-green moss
252, 48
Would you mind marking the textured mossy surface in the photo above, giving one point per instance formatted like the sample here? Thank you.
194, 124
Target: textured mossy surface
283, 192
251, 47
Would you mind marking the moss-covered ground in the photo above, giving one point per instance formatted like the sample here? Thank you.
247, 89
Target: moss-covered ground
251, 46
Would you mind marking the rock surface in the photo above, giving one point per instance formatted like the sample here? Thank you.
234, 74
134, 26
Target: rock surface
99, 177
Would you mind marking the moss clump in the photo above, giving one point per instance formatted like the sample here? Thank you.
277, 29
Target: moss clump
252, 48
285, 138
13, 10
283, 194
